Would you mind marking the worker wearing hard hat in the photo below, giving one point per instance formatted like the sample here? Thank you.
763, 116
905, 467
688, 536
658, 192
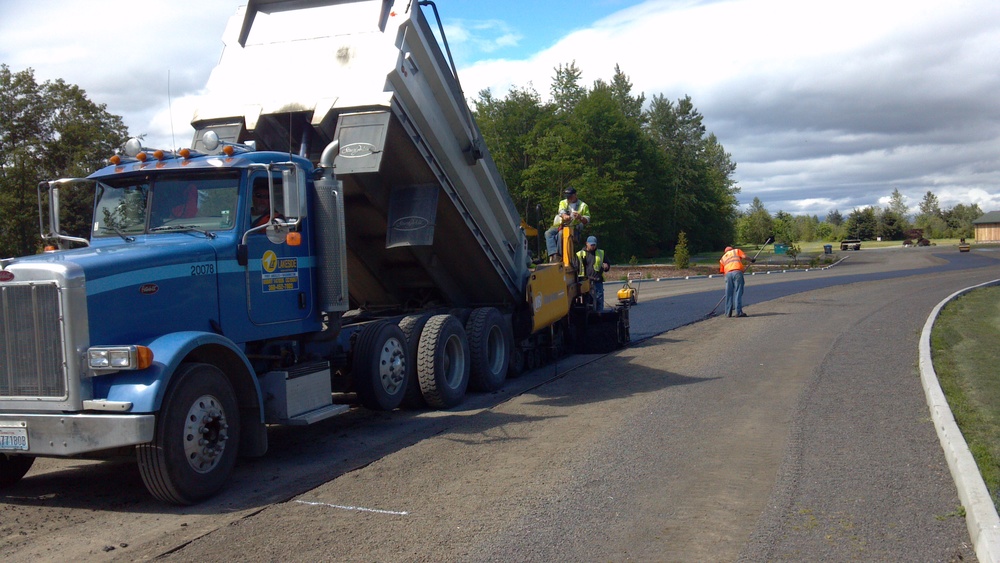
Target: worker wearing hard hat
573, 213
732, 264
592, 266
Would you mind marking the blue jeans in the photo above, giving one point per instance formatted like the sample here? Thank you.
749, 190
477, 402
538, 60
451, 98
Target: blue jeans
552, 240
734, 292
597, 292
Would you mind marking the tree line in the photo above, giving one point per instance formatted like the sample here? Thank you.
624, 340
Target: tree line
646, 174
892, 222
48, 131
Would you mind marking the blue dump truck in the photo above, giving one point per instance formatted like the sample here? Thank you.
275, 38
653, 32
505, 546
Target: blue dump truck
337, 234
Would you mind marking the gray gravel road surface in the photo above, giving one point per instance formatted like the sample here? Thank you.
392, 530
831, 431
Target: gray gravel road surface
797, 434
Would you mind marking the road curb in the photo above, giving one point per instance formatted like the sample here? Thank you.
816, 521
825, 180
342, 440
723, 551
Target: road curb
981, 517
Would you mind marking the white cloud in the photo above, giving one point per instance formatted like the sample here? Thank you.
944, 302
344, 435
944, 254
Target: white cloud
479, 36
121, 53
823, 105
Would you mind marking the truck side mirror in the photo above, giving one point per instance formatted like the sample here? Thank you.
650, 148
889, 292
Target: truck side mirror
241, 254
294, 180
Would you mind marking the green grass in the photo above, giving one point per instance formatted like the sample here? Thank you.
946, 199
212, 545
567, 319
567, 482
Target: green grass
965, 357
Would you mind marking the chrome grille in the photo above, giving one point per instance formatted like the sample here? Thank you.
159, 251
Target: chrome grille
31, 343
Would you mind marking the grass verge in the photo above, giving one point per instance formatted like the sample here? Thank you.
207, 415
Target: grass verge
965, 356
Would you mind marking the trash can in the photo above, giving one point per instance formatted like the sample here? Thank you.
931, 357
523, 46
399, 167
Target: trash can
827, 249
780, 248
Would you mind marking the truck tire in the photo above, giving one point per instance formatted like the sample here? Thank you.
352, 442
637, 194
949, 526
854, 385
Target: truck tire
12, 468
443, 362
489, 349
196, 440
379, 366
411, 326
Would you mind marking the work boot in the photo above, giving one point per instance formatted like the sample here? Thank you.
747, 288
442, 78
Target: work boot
742, 315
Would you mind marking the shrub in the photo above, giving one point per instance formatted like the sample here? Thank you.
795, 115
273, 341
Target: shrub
682, 257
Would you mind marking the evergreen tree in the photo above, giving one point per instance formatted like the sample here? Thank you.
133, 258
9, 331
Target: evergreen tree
566, 89
862, 224
929, 205
621, 91
682, 257
897, 205
835, 218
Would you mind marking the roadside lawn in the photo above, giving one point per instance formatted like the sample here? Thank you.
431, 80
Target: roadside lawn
965, 357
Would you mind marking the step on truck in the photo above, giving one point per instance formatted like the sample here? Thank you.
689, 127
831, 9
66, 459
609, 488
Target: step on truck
336, 234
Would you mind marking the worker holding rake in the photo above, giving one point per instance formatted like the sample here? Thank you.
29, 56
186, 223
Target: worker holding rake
732, 264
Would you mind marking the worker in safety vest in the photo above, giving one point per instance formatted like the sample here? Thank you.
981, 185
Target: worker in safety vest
732, 264
573, 213
592, 266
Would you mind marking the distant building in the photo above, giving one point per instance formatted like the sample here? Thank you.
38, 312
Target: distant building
988, 227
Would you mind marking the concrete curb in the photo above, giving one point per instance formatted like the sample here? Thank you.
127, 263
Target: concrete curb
980, 513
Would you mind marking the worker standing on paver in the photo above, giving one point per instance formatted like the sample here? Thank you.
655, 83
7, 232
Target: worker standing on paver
732, 264
592, 266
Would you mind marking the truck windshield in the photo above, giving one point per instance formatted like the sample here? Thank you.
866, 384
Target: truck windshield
153, 204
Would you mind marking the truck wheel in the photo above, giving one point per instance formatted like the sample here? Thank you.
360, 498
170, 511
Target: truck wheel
489, 349
443, 362
12, 468
379, 366
411, 327
197, 436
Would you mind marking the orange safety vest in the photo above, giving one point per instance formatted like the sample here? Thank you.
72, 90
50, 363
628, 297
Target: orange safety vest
262, 220
732, 261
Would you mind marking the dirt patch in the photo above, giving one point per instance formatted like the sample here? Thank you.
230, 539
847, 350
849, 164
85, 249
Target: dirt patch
656, 271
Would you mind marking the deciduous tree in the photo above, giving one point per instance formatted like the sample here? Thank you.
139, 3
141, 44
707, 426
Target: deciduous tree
48, 131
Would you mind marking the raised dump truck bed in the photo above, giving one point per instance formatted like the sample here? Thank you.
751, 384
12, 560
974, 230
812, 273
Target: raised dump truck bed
429, 221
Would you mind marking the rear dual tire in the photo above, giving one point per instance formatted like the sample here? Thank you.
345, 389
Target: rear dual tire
380, 366
489, 349
443, 361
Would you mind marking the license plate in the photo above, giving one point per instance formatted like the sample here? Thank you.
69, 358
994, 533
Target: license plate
13, 436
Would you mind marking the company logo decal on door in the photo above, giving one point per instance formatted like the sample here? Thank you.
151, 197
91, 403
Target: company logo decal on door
279, 274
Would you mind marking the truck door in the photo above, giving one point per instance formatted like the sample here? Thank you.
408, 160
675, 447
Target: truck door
279, 275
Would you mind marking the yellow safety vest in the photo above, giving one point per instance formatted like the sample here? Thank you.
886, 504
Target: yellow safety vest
583, 210
598, 261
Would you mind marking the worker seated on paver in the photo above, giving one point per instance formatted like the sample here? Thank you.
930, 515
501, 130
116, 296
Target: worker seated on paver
573, 213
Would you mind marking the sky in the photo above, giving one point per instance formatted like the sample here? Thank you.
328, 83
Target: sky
823, 105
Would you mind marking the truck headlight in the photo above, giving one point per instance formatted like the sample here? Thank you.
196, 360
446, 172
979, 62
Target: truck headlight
119, 357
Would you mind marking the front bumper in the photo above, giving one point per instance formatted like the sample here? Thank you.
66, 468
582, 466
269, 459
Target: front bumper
73, 434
